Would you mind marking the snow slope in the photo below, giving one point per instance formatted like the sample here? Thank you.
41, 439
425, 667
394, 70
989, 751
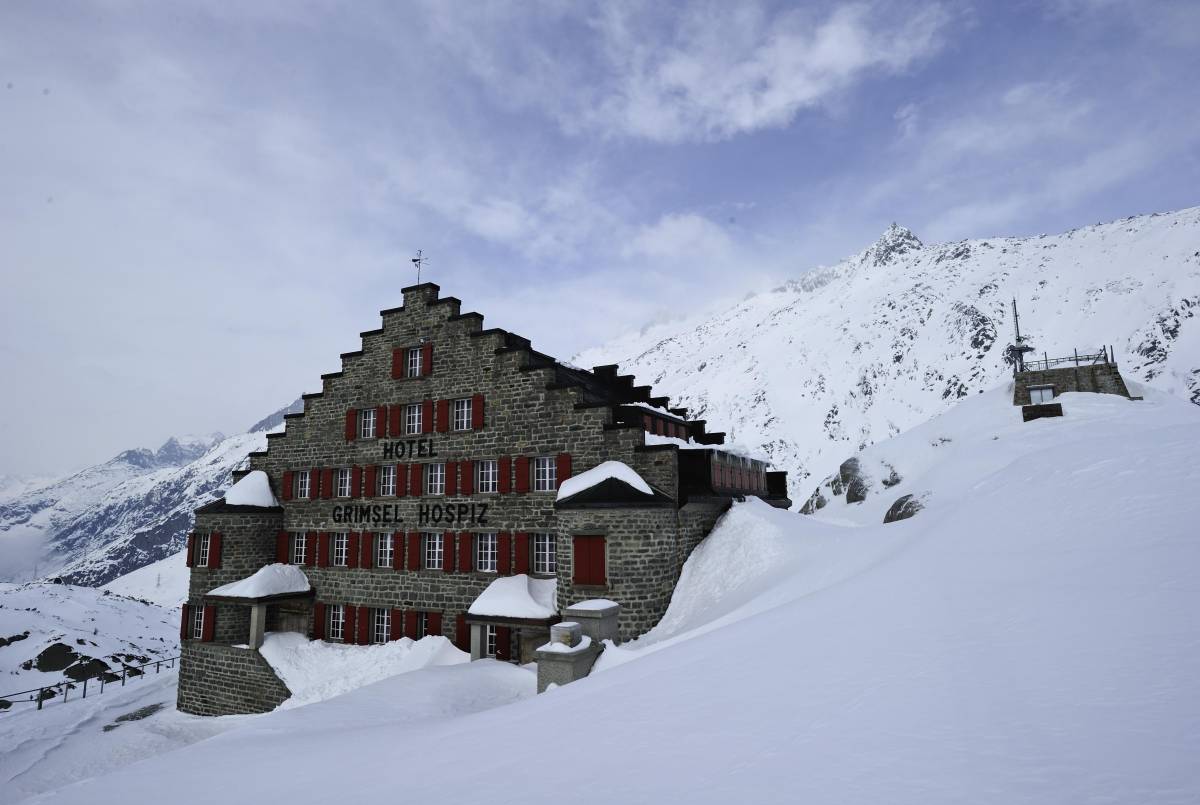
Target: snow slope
164, 582
1031, 638
854, 353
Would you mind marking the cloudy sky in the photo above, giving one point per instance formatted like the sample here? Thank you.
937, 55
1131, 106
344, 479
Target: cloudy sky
201, 205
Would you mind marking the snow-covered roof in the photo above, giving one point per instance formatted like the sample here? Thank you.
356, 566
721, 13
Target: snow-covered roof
517, 597
271, 580
593, 603
599, 474
253, 490
739, 450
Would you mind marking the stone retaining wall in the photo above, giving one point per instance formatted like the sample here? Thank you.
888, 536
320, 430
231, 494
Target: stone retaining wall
219, 680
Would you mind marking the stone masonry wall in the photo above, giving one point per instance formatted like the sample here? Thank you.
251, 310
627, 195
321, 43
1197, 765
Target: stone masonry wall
1098, 378
216, 680
247, 543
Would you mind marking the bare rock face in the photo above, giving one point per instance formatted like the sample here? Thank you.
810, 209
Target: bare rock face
904, 507
815, 502
853, 480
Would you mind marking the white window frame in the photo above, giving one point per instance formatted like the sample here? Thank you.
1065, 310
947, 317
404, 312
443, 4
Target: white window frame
487, 552
381, 625
385, 549
203, 552
1037, 394
545, 554
342, 482
433, 554
340, 553
487, 475
435, 479
299, 552
336, 628
197, 622
387, 480
366, 423
422, 624
413, 418
461, 419
303, 484
545, 474
413, 362
489, 640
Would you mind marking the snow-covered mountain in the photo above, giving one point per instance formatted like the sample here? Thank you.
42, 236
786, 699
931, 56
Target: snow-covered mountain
851, 354
105, 521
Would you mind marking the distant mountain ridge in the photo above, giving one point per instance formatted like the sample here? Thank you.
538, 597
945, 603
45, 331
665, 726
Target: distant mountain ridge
848, 355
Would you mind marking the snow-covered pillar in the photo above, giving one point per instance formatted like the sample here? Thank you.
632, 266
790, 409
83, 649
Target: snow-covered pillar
258, 625
478, 641
568, 656
597, 617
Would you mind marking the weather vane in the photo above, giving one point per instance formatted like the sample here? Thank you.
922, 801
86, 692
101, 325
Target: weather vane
418, 261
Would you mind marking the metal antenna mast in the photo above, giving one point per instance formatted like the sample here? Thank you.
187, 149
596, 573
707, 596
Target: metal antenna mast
1019, 347
418, 261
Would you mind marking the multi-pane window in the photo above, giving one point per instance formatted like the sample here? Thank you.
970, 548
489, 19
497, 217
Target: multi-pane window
412, 418
343, 482
341, 549
337, 622
384, 550
487, 475
202, 543
435, 479
422, 624
433, 551
489, 648
485, 552
366, 423
544, 559
299, 549
197, 623
387, 479
1041, 394
462, 414
414, 362
302, 484
544, 474
381, 625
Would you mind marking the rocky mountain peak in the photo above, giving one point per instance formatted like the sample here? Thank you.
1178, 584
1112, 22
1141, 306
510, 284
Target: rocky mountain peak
895, 241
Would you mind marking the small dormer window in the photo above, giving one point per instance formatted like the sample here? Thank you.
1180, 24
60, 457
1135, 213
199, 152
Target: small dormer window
1041, 394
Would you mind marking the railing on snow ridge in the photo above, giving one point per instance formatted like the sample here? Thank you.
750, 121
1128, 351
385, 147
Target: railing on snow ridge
67, 686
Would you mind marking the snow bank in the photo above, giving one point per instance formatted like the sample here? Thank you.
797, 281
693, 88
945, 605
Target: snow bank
315, 670
599, 474
253, 490
519, 596
276, 579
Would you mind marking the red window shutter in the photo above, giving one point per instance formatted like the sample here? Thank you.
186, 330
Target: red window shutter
435, 623
401, 480
210, 623
352, 549
583, 561
285, 486
410, 624
397, 624
381, 421
477, 412
356, 482
451, 478
466, 550
397, 364
364, 626
327, 483
348, 630
522, 563
214, 551
443, 416
599, 570
318, 631
414, 550
466, 484
448, 552
427, 416
370, 486
427, 359
281, 548
310, 552
414, 480
462, 632
191, 549
504, 466
562, 468
503, 643
398, 550
504, 553
395, 426
351, 424
323, 549
183, 622
314, 483
522, 473
368, 550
